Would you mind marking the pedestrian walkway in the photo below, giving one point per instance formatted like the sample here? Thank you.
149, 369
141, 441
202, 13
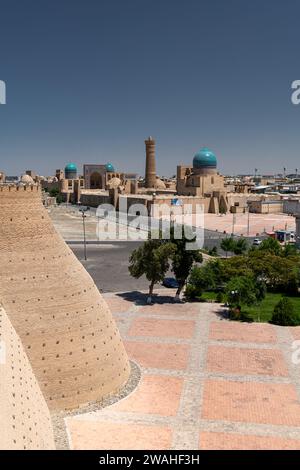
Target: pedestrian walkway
207, 383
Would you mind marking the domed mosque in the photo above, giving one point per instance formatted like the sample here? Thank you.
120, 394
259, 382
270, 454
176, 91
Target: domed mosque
105, 177
109, 167
71, 171
202, 181
205, 161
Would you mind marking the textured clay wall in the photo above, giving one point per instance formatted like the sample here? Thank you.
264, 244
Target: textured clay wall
24, 415
67, 330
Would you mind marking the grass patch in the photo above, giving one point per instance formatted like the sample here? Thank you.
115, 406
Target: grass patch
209, 296
264, 311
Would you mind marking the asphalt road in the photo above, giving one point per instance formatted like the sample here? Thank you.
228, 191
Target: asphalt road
107, 261
108, 265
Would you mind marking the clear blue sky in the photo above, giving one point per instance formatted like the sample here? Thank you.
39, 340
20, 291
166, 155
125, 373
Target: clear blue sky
88, 80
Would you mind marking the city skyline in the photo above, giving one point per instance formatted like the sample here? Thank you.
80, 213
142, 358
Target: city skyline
90, 84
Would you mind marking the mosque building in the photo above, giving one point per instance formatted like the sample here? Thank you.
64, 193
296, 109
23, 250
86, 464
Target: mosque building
71, 171
197, 184
202, 180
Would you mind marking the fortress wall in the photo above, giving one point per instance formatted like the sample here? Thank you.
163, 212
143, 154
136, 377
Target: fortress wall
24, 415
68, 332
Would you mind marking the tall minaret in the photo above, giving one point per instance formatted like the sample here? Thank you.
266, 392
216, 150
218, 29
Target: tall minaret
150, 175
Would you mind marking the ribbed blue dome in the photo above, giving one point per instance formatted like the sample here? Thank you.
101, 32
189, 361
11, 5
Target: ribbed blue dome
71, 167
109, 167
205, 158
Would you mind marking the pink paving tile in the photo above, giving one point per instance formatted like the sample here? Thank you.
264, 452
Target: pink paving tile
171, 309
159, 395
222, 441
158, 356
295, 331
242, 332
246, 361
106, 435
162, 328
251, 402
118, 305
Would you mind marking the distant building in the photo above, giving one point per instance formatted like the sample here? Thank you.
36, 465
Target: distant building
96, 176
203, 181
71, 171
11, 179
266, 207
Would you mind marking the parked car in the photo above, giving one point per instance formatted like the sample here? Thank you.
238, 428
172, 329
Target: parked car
257, 241
170, 282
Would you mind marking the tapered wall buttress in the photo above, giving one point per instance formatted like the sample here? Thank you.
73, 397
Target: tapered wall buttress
24, 416
65, 325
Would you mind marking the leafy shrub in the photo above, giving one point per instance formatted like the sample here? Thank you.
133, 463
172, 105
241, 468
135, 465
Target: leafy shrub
284, 314
237, 315
220, 297
261, 290
241, 290
213, 251
192, 292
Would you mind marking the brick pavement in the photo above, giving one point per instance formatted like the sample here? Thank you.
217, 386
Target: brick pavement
207, 383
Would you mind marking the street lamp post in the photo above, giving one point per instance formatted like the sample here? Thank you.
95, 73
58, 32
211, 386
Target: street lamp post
248, 221
83, 211
233, 222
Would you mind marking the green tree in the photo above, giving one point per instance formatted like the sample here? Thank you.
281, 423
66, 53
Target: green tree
213, 251
261, 289
270, 245
236, 266
290, 250
284, 313
152, 260
241, 290
54, 192
227, 245
183, 260
280, 274
240, 246
207, 277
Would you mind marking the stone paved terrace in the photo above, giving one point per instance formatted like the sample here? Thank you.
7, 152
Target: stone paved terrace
207, 383
258, 223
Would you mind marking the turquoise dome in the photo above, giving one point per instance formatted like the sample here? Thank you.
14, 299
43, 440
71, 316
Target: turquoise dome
205, 158
71, 171
71, 167
109, 167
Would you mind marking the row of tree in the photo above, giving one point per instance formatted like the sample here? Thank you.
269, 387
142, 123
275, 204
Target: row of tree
157, 256
244, 280
247, 274
240, 246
